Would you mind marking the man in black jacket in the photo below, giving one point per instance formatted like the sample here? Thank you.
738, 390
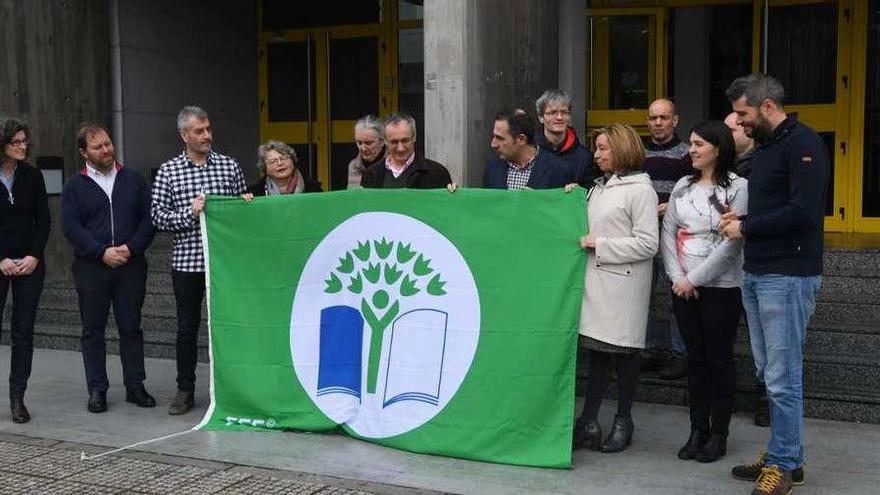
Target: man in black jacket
402, 167
105, 214
783, 234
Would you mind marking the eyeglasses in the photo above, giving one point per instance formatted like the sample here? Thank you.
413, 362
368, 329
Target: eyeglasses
277, 161
557, 113
18, 142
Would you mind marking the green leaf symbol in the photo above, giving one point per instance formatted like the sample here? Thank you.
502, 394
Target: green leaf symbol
404, 253
334, 285
392, 273
383, 248
346, 265
422, 266
363, 251
372, 273
408, 287
357, 284
435, 286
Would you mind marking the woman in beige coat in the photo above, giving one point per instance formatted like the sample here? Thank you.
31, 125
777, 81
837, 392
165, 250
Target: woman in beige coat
621, 244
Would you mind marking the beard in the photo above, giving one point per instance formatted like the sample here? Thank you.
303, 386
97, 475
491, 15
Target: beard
761, 130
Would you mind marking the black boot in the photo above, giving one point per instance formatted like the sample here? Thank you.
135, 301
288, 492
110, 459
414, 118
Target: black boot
620, 436
693, 445
20, 413
712, 450
587, 433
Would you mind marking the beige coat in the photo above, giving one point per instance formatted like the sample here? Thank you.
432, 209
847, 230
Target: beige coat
622, 216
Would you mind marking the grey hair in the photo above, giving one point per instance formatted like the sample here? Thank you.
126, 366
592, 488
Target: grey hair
188, 112
756, 88
276, 146
370, 123
396, 118
552, 96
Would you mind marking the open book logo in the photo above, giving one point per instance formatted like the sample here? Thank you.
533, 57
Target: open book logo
385, 324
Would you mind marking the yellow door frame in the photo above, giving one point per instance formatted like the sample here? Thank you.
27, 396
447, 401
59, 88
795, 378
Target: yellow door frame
857, 119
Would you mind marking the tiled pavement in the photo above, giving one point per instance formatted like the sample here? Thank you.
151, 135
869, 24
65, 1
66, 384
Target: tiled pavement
35, 466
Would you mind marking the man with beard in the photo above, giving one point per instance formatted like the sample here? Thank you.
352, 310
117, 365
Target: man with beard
178, 199
783, 250
105, 214
558, 138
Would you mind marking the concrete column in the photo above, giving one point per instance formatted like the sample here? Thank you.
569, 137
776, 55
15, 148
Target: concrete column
481, 57
572, 58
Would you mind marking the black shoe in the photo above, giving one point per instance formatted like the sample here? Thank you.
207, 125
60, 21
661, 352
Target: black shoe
587, 433
676, 368
140, 397
712, 450
97, 402
762, 412
620, 436
696, 440
183, 402
652, 360
20, 413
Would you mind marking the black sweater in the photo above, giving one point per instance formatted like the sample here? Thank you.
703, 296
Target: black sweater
787, 186
24, 222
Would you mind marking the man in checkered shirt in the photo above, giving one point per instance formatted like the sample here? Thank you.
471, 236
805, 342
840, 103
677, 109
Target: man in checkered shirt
178, 198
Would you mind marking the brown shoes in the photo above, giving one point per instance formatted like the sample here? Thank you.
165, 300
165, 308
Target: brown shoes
183, 402
20, 413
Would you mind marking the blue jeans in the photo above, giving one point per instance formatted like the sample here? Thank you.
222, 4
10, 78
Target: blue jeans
654, 340
778, 308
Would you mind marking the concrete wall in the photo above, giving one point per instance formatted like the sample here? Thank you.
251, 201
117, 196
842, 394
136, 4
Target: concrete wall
54, 65
480, 57
196, 52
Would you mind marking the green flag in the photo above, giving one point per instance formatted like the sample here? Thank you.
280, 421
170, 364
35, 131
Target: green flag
422, 320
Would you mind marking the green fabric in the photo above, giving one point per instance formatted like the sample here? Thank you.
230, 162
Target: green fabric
515, 400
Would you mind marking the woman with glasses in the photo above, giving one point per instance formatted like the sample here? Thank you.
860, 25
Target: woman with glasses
24, 229
706, 273
279, 173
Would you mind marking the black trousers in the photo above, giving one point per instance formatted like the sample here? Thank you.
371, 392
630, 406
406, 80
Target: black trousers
189, 290
26, 291
708, 325
98, 286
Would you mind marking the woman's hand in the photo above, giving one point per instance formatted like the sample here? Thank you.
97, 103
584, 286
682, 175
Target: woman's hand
570, 187
8, 267
247, 197
27, 265
588, 242
684, 289
452, 187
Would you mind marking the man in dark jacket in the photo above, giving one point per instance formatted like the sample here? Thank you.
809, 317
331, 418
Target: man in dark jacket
556, 136
105, 214
402, 168
520, 163
783, 250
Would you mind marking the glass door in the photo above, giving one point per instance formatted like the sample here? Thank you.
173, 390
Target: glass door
866, 119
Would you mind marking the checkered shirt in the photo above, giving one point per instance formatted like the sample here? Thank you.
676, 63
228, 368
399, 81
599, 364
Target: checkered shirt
178, 182
518, 177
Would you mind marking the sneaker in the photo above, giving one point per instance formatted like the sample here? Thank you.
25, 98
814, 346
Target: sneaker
773, 481
751, 472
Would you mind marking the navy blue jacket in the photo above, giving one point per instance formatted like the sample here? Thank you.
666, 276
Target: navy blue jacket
571, 153
787, 185
547, 172
92, 224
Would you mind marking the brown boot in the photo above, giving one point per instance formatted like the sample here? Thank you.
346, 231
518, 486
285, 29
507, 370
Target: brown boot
182, 402
20, 413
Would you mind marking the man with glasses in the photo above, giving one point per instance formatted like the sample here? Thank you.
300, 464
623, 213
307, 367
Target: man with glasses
178, 199
402, 167
558, 138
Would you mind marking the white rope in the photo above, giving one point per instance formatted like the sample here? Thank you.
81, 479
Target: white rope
84, 457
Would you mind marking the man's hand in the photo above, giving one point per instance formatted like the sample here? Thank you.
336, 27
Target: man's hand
588, 242
113, 258
247, 197
27, 265
124, 251
661, 209
570, 187
8, 267
198, 205
452, 187
684, 289
731, 226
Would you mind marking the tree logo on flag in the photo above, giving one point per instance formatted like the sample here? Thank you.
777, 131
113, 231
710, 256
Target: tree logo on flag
385, 323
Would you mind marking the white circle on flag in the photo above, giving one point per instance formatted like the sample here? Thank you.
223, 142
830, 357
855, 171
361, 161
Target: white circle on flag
412, 287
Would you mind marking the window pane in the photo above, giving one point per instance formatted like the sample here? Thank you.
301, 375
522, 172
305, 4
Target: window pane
354, 78
619, 48
288, 82
408, 10
730, 52
800, 33
411, 73
871, 175
285, 14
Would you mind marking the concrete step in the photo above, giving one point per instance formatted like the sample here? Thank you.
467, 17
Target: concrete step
851, 340
852, 262
60, 298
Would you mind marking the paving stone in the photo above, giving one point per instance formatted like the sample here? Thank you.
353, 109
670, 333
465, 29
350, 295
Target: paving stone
15, 484
192, 480
64, 487
123, 472
266, 485
16, 452
56, 464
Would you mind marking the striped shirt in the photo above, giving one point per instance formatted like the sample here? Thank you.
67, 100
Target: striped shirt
178, 182
666, 164
518, 177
